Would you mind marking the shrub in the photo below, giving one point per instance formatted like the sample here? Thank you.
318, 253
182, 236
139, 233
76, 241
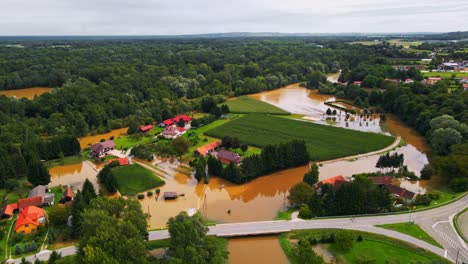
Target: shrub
158, 191
359, 238
422, 199
111, 138
343, 241
33, 246
426, 172
304, 212
18, 250
433, 196
27, 247
313, 241
150, 193
141, 196
11, 184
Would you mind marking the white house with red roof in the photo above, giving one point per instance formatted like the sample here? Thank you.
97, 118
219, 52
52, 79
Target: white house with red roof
175, 120
173, 131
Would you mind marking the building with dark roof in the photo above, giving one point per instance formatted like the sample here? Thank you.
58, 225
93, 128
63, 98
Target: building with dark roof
406, 195
100, 149
227, 157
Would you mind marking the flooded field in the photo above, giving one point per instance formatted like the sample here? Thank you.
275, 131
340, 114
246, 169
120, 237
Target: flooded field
254, 250
89, 140
27, 93
74, 175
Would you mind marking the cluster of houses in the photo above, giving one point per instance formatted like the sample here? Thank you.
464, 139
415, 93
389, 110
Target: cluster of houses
399, 193
176, 126
30, 212
454, 66
223, 155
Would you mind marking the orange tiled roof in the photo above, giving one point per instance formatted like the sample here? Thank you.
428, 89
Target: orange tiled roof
30, 215
203, 150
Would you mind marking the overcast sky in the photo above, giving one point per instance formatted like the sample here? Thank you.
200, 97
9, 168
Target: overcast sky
172, 17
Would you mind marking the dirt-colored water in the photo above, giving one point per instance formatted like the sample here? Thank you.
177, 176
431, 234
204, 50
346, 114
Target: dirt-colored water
89, 140
27, 93
74, 175
255, 250
398, 128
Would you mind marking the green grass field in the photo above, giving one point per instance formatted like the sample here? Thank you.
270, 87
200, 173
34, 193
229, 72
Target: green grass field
66, 161
378, 248
323, 142
413, 230
445, 75
245, 104
130, 141
133, 179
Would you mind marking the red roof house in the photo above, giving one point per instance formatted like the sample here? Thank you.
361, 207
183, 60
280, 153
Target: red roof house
146, 128
335, 181
33, 201
29, 219
405, 195
121, 161
205, 149
175, 120
9, 209
381, 180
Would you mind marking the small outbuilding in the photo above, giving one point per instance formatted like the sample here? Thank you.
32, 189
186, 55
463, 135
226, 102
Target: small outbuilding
170, 195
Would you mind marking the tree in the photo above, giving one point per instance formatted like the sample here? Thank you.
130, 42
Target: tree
88, 192
180, 146
426, 172
329, 111
120, 225
54, 256
305, 254
58, 215
344, 241
300, 193
37, 173
244, 147
200, 169
134, 127
443, 138
312, 176
189, 243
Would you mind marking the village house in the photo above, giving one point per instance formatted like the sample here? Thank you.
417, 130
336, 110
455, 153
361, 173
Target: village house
176, 120
173, 131
381, 180
121, 161
336, 182
465, 86
33, 201
432, 80
227, 157
67, 195
101, 149
42, 190
208, 148
400, 193
409, 80
9, 210
29, 219
144, 129
358, 83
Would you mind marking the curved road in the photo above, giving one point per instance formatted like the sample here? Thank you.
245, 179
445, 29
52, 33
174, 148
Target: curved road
435, 221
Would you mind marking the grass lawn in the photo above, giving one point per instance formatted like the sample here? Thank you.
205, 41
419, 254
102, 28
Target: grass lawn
245, 104
130, 141
133, 179
66, 161
323, 142
445, 75
380, 249
285, 215
413, 230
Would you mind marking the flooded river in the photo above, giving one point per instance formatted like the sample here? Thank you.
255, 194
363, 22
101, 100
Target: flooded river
27, 93
89, 140
74, 175
255, 250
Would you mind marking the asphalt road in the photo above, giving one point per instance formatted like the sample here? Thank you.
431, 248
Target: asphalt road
436, 222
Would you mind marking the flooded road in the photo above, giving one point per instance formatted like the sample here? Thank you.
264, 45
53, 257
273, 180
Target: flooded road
89, 140
27, 93
255, 250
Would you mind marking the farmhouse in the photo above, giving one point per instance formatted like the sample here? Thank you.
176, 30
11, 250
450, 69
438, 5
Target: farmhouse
41, 190
100, 149
173, 131
67, 195
358, 83
432, 80
409, 80
175, 120
29, 220
208, 148
336, 181
227, 157
8, 210
144, 129
381, 180
33, 201
121, 161
402, 193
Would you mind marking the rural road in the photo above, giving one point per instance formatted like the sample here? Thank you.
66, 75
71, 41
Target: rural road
429, 220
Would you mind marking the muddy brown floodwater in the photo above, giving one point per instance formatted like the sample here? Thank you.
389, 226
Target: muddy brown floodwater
74, 175
255, 250
89, 140
27, 93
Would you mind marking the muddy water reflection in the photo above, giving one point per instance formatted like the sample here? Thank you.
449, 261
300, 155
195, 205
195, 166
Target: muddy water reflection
27, 93
89, 140
74, 175
255, 250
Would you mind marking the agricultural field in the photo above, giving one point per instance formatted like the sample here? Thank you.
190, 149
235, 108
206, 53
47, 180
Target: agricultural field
245, 104
323, 142
445, 75
413, 230
373, 248
133, 179
129, 141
